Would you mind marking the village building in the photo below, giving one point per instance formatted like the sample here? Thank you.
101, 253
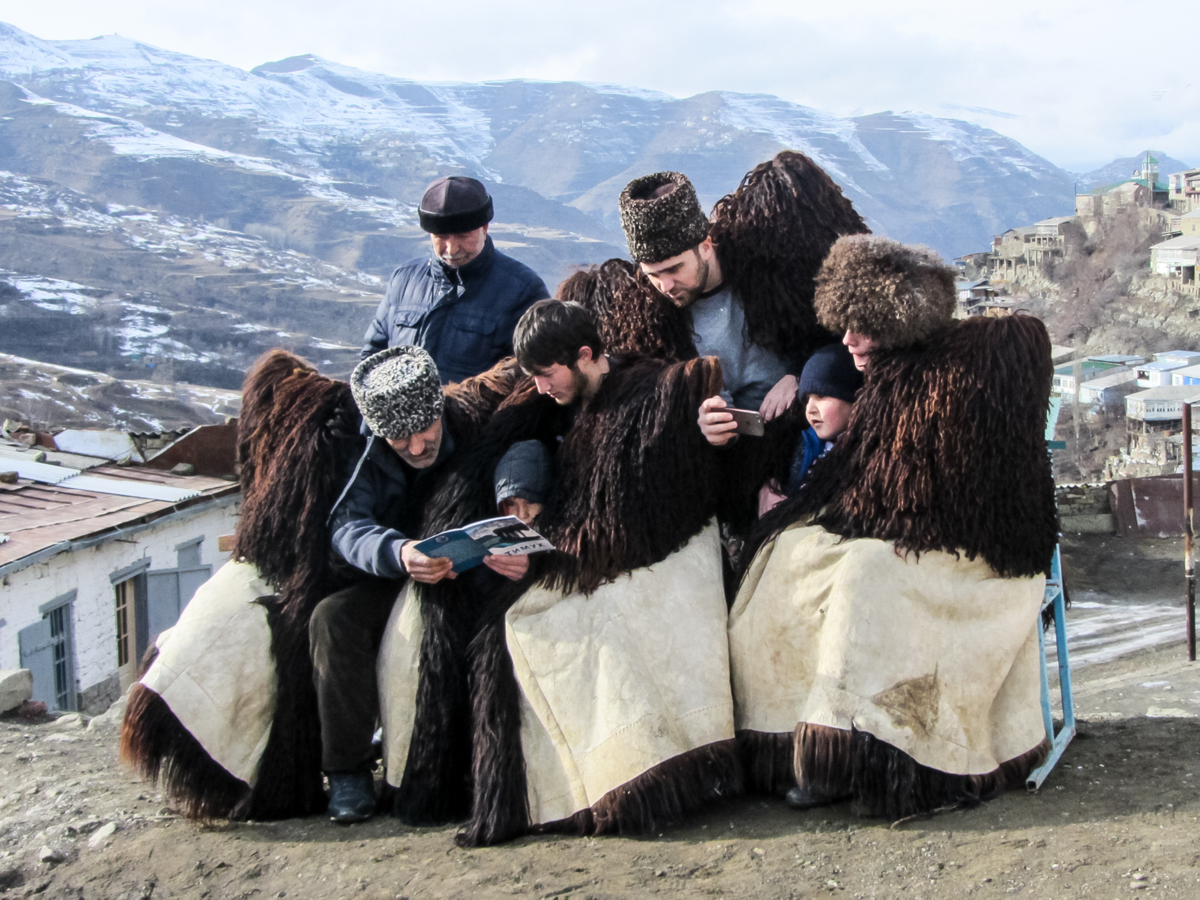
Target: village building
1176, 259
1187, 375
1072, 375
97, 558
1158, 372
1142, 189
1185, 225
1153, 415
1028, 249
1183, 191
1105, 392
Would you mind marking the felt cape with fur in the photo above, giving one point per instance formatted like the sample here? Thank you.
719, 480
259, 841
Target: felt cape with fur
297, 436
945, 461
636, 489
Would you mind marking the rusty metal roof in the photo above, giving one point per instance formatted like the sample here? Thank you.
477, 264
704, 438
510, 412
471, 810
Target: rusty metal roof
37, 517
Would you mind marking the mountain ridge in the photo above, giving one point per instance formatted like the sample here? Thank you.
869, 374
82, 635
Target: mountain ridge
919, 178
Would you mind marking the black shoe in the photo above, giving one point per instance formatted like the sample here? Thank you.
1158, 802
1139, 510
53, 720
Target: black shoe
351, 796
807, 798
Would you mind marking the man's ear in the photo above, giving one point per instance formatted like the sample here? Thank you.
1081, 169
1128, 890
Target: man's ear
585, 355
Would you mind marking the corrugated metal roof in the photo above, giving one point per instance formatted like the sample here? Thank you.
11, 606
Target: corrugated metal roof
125, 487
37, 471
38, 515
115, 445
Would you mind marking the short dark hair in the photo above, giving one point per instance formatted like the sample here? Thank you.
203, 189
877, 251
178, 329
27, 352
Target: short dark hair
552, 332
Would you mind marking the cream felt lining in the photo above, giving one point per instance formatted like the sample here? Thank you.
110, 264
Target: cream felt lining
397, 671
937, 657
616, 682
215, 670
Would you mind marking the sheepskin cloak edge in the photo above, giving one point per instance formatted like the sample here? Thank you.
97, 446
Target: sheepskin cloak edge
937, 657
215, 672
611, 684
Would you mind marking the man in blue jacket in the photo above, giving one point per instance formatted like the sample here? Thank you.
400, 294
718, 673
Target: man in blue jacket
400, 397
462, 304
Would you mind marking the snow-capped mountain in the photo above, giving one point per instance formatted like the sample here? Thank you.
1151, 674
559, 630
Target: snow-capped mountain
364, 144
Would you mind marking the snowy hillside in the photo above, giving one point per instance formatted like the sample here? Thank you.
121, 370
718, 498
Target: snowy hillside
558, 148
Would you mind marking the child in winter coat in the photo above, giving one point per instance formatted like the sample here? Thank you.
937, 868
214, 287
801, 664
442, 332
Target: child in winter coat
827, 387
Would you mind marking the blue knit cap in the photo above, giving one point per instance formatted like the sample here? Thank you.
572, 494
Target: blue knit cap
830, 372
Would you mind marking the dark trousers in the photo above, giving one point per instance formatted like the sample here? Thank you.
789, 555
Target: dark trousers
343, 637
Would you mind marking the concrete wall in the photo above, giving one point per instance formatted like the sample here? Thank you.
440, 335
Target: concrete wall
88, 572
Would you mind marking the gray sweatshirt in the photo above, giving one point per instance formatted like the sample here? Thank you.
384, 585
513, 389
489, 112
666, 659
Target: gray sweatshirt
750, 371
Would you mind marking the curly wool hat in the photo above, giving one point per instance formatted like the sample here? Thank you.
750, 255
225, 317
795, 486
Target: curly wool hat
398, 392
661, 216
891, 292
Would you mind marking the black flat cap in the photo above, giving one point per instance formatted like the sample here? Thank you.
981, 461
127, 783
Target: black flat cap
455, 204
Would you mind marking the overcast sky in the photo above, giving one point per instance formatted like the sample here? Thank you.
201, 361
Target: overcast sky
1080, 83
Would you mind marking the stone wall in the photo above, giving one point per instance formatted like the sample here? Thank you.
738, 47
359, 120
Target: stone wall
1084, 508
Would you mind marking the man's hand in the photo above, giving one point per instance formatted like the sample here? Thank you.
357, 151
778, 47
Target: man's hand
520, 507
716, 425
511, 567
779, 398
426, 569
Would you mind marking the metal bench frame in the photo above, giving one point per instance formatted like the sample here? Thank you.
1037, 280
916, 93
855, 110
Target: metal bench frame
1055, 597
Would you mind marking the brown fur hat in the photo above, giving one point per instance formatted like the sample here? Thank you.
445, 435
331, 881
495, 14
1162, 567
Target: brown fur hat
891, 292
661, 216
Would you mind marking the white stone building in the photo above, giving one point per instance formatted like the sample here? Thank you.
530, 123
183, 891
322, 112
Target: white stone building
95, 560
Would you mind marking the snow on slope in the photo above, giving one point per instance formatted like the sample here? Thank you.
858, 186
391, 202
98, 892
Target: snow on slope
803, 129
304, 102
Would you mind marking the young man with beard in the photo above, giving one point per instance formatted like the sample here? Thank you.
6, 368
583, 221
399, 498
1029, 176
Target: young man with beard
668, 237
400, 398
559, 346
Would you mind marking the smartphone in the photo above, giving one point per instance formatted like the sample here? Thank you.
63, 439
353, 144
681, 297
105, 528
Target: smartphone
749, 421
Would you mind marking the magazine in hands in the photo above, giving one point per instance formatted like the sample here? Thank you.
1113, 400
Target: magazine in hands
467, 546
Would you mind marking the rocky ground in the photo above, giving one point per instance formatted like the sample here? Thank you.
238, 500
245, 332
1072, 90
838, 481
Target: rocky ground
1117, 816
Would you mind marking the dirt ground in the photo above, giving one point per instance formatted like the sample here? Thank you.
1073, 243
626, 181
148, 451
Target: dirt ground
1118, 815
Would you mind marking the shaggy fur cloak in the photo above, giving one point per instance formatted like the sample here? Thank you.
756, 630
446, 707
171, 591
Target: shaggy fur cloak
634, 319
635, 481
945, 450
772, 235
298, 435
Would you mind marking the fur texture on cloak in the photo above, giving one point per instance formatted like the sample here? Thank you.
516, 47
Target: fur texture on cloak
635, 481
938, 437
297, 437
634, 319
772, 235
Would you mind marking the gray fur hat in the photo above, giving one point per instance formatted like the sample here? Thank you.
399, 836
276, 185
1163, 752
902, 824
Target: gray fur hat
398, 392
894, 293
661, 216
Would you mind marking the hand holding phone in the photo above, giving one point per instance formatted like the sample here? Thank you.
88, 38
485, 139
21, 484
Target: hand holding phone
749, 421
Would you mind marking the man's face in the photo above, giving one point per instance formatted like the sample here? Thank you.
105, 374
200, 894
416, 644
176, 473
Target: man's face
459, 249
419, 450
563, 384
683, 278
860, 347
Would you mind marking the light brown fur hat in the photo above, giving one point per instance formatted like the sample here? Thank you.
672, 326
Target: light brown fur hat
894, 293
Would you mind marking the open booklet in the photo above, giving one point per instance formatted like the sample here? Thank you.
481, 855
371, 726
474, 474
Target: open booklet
467, 546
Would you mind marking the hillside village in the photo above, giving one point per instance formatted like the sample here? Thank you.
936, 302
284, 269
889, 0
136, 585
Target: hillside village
1121, 408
